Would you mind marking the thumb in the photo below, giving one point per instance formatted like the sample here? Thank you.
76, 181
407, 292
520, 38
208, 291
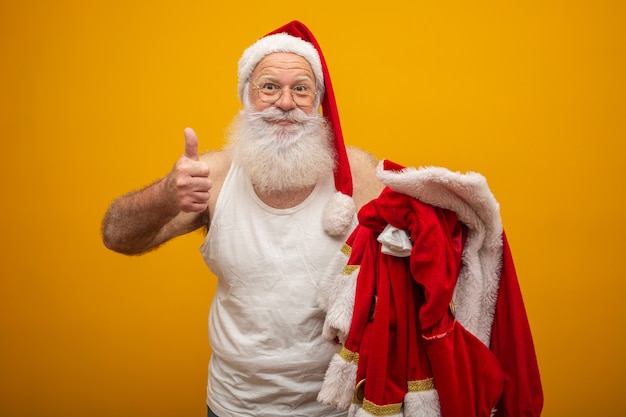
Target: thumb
191, 144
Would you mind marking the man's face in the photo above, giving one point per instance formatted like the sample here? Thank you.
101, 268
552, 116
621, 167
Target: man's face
280, 138
289, 73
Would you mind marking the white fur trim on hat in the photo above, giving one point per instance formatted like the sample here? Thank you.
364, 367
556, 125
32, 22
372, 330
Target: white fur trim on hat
280, 42
339, 214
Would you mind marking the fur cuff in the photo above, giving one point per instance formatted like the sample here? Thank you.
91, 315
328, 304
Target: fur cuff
339, 315
422, 404
339, 382
336, 296
330, 284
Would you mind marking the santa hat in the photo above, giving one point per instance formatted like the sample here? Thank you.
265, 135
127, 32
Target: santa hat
296, 38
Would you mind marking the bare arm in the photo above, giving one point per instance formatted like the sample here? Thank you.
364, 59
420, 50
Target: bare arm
176, 204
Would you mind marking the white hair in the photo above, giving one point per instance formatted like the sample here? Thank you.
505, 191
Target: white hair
278, 157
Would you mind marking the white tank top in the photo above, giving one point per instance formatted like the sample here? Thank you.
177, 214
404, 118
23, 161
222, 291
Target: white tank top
265, 327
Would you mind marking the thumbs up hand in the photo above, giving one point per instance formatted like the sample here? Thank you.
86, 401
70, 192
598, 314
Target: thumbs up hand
188, 183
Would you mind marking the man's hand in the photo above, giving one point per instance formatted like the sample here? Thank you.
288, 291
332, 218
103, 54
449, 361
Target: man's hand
189, 182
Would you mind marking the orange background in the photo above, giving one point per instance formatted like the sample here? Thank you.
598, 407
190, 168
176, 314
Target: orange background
94, 97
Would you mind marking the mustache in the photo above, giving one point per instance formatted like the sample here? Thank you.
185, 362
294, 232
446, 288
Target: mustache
273, 115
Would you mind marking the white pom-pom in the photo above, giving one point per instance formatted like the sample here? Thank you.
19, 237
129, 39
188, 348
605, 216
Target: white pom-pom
339, 214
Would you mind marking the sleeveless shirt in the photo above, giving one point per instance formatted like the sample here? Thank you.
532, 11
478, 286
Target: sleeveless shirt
265, 326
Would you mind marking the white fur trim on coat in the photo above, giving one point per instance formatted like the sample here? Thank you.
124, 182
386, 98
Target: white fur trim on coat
470, 198
336, 297
422, 404
339, 381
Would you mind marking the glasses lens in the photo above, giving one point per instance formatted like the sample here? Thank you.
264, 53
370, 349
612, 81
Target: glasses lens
271, 93
303, 98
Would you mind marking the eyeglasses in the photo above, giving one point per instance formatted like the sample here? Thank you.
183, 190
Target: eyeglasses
270, 93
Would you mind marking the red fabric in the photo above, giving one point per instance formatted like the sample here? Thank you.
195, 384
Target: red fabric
512, 343
343, 177
467, 374
390, 349
361, 243
414, 336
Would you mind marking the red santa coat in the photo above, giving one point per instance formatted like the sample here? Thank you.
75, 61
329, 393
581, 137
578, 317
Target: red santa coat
406, 351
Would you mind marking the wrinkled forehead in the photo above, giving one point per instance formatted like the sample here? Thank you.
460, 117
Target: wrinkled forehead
283, 63
279, 43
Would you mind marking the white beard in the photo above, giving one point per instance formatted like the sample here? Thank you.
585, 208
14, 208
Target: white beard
282, 158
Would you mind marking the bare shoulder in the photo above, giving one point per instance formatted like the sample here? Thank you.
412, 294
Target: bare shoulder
361, 158
363, 166
219, 162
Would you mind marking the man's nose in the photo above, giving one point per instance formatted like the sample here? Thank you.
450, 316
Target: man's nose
286, 101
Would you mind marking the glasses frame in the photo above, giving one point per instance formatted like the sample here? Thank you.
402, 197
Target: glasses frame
258, 88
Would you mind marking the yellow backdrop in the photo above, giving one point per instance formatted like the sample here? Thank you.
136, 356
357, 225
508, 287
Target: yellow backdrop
94, 97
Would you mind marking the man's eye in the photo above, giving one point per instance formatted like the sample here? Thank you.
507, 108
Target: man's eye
270, 87
301, 89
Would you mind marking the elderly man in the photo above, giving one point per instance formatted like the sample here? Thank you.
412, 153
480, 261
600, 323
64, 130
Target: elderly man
278, 203
422, 293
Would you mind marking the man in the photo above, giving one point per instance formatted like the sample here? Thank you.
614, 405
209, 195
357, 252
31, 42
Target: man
278, 203
423, 296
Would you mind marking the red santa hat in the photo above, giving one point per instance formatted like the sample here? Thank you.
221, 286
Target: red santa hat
296, 38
